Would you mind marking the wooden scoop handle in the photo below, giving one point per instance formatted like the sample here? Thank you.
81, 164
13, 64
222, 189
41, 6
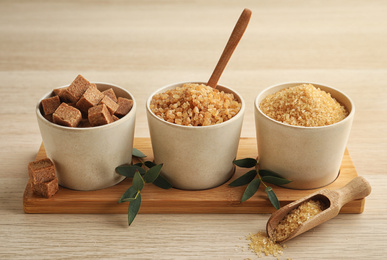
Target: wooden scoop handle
358, 188
233, 41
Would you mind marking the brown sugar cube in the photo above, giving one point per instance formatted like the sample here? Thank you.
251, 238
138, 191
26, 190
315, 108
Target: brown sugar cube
46, 189
49, 118
93, 85
90, 98
76, 89
110, 104
115, 118
41, 171
60, 93
84, 123
57, 91
49, 105
67, 115
110, 93
124, 106
100, 115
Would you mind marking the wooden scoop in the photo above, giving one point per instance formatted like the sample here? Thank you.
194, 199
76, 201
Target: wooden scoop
333, 200
233, 41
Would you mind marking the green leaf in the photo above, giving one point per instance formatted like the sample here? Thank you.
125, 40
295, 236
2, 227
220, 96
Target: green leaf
140, 170
149, 164
138, 164
244, 179
246, 163
275, 180
126, 170
152, 174
134, 207
129, 195
268, 173
251, 189
138, 181
130, 199
161, 182
129, 170
272, 197
137, 153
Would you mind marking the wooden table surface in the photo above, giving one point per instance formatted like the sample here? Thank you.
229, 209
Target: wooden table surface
144, 45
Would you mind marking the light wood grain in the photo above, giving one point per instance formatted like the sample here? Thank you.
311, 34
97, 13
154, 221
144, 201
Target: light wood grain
144, 45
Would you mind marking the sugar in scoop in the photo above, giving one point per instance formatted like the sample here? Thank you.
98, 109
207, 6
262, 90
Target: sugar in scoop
313, 210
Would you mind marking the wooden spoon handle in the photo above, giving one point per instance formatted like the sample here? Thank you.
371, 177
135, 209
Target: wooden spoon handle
358, 188
233, 41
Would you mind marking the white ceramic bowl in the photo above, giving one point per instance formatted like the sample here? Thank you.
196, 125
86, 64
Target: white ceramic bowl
86, 158
309, 156
195, 157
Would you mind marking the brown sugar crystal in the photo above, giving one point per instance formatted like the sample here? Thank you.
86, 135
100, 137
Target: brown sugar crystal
303, 105
76, 89
67, 115
124, 106
41, 171
46, 189
296, 217
110, 104
99, 115
90, 98
195, 105
49, 105
110, 93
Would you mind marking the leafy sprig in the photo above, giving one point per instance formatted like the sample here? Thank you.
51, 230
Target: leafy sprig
140, 176
255, 177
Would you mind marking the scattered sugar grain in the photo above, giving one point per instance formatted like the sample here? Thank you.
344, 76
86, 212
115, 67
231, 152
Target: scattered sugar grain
262, 245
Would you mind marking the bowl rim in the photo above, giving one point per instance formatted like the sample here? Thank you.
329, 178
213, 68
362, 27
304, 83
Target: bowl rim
92, 128
295, 83
174, 85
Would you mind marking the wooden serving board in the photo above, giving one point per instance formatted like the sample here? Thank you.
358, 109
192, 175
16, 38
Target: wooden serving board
222, 199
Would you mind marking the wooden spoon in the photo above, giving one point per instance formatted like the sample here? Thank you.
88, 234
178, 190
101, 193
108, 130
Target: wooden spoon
333, 200
233, 41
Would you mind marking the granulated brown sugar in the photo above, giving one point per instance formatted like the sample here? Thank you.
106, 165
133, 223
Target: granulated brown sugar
303, 105
195, 105
261, 244
296, 217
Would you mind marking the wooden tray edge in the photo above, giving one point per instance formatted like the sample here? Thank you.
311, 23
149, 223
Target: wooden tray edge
248, 207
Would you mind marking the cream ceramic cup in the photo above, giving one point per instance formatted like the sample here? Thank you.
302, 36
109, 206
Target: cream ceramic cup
308, 156
86, 158
195, 157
